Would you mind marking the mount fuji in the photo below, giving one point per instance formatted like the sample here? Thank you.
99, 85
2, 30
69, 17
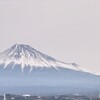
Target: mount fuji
23, 69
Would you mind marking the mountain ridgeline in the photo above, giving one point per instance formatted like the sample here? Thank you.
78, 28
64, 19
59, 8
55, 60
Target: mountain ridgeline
23, 69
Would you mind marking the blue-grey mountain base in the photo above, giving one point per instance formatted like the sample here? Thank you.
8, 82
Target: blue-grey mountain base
23, 70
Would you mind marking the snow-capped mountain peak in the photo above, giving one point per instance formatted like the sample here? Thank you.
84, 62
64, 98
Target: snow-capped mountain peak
25, 55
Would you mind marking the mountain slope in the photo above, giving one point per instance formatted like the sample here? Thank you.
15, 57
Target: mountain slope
26, 70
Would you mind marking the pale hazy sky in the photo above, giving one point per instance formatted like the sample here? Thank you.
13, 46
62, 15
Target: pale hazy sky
68, 30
